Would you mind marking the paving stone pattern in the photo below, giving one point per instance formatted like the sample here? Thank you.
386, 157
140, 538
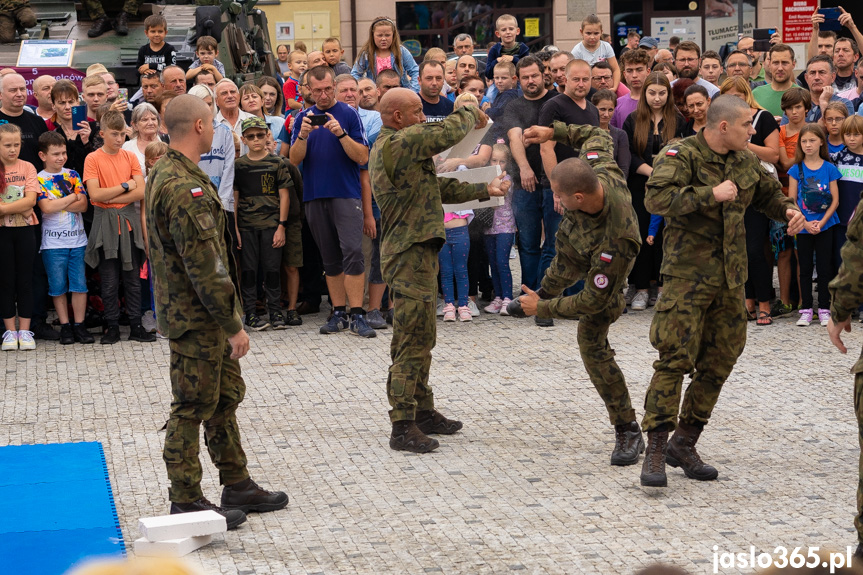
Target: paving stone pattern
526, 487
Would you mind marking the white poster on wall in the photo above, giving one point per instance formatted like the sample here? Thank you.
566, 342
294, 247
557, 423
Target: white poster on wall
720, 28
685, 28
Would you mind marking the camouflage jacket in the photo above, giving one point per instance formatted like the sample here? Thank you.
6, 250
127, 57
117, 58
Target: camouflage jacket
600, 248
846, 289
7, 6
194, 275
704, 239
408, 191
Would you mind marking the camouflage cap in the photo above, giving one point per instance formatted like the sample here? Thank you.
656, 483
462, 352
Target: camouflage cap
254, 122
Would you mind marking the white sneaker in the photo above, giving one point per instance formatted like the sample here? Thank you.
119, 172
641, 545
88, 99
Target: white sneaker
471, 305
503, 305
439, 311
494, 306
25, 340
512, 254
639, 302
148, 321
629, 294
10, 341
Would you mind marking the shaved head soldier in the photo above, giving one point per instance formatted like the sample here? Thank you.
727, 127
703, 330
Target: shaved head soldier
198, 310
702, 187
410, 196
597, 241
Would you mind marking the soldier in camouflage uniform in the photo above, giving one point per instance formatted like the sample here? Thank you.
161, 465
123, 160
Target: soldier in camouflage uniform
597, 241
702, 186
846, 292
15, 15
198, 310
101, 22
410, 194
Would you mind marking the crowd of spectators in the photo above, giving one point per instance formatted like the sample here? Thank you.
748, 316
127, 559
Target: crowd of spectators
289, 160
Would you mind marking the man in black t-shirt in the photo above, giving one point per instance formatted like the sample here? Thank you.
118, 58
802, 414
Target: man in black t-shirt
13, 95
571, 107
533, 201
431, 83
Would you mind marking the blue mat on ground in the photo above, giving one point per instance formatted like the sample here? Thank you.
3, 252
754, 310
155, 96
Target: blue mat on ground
56, 507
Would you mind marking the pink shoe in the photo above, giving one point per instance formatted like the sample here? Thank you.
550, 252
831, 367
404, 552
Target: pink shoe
504, 303
464, 314
449, 312
494, 306
824, 316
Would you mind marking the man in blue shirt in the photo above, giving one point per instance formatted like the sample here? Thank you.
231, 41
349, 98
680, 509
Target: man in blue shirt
332, 152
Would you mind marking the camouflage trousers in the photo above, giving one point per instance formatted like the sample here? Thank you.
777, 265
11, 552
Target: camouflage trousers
698, 330
413, 275
96, 10
858, 409
207, 387
598, 358
12, 19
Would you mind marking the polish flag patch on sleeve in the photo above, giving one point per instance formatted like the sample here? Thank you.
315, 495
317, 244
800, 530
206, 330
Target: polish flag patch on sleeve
592, 155
671, 152
605, 257
197, 192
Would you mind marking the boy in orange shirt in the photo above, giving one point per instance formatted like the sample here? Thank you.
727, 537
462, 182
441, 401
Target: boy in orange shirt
115, 183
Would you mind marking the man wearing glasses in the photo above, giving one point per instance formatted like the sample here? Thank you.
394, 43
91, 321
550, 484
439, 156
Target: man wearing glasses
687, 56
329, 139
756, 69
739, 64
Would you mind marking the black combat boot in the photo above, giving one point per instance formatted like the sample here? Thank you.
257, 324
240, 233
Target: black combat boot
628, 444
121, 24
681, 453
248, 496
99, 27
406, 436
653, 469
433, 422
233, 517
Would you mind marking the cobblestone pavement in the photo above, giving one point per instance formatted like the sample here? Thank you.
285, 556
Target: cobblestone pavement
525, 487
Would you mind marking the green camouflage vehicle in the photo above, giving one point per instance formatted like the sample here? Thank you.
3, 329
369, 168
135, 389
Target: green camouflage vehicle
244, 42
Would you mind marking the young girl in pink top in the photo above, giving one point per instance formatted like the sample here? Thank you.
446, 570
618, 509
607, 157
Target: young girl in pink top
19, 190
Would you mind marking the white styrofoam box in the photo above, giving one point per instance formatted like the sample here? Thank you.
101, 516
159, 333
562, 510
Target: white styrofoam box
171, 547
182, 525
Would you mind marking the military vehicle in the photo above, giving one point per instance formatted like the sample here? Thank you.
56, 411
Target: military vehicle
242, 31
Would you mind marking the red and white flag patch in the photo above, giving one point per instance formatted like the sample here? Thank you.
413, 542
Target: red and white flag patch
592, 155
197, 192
605, 257
671, 152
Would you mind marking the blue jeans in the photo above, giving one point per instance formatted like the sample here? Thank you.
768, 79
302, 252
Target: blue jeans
453, 265
497, 246
532, 211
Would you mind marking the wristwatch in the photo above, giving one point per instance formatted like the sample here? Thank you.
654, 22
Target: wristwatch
125, 186
284, 223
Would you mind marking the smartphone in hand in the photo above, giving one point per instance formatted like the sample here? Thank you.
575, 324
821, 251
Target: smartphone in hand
79, 114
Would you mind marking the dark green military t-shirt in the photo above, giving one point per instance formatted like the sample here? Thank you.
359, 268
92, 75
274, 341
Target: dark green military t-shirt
258, 183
